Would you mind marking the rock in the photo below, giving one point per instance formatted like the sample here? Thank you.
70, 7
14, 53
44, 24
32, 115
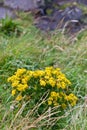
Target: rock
6, 12
68, 19
1, 1
24, 5
49, 15
72, 27
82, 2
43, 23
62, 2
73, 13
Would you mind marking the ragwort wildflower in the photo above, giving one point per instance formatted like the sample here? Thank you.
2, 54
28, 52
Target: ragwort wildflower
39, 81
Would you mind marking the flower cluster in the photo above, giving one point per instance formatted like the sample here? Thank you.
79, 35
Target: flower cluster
63, 99
26, 82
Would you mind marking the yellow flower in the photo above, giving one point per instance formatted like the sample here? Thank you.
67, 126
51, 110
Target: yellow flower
40, 72
71, 98
20, 72
19, 97
73, 103
46, 77
54, 72
50, 98
63, 85
53, 78
35, 75
13, 78
42, 82
9, 79
22, 87
15, 83
49, 102
24, 81
53, 94
66, 98
59, 85
29, 73
13, 92
48, 71
49, 68
52, 82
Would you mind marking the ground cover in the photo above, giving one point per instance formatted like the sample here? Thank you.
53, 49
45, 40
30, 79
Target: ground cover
35, 49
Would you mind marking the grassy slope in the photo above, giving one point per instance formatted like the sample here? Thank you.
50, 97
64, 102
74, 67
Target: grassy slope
35, 49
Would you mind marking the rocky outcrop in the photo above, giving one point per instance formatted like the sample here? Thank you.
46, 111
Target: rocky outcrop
64, 14
61, 19
49, 14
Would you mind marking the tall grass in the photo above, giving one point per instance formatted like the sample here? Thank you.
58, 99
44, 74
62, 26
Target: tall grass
35, 49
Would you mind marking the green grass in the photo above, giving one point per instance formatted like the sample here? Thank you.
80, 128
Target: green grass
35, 49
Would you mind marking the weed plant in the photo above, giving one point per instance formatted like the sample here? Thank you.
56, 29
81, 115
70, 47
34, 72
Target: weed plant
9, 27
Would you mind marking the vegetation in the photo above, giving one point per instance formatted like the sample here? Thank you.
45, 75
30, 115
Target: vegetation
9, 27
33, 85
34, 50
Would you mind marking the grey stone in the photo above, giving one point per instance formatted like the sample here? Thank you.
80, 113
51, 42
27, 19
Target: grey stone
4, 12
68, 19
73, 13
62, 2
82, 2
24, 5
